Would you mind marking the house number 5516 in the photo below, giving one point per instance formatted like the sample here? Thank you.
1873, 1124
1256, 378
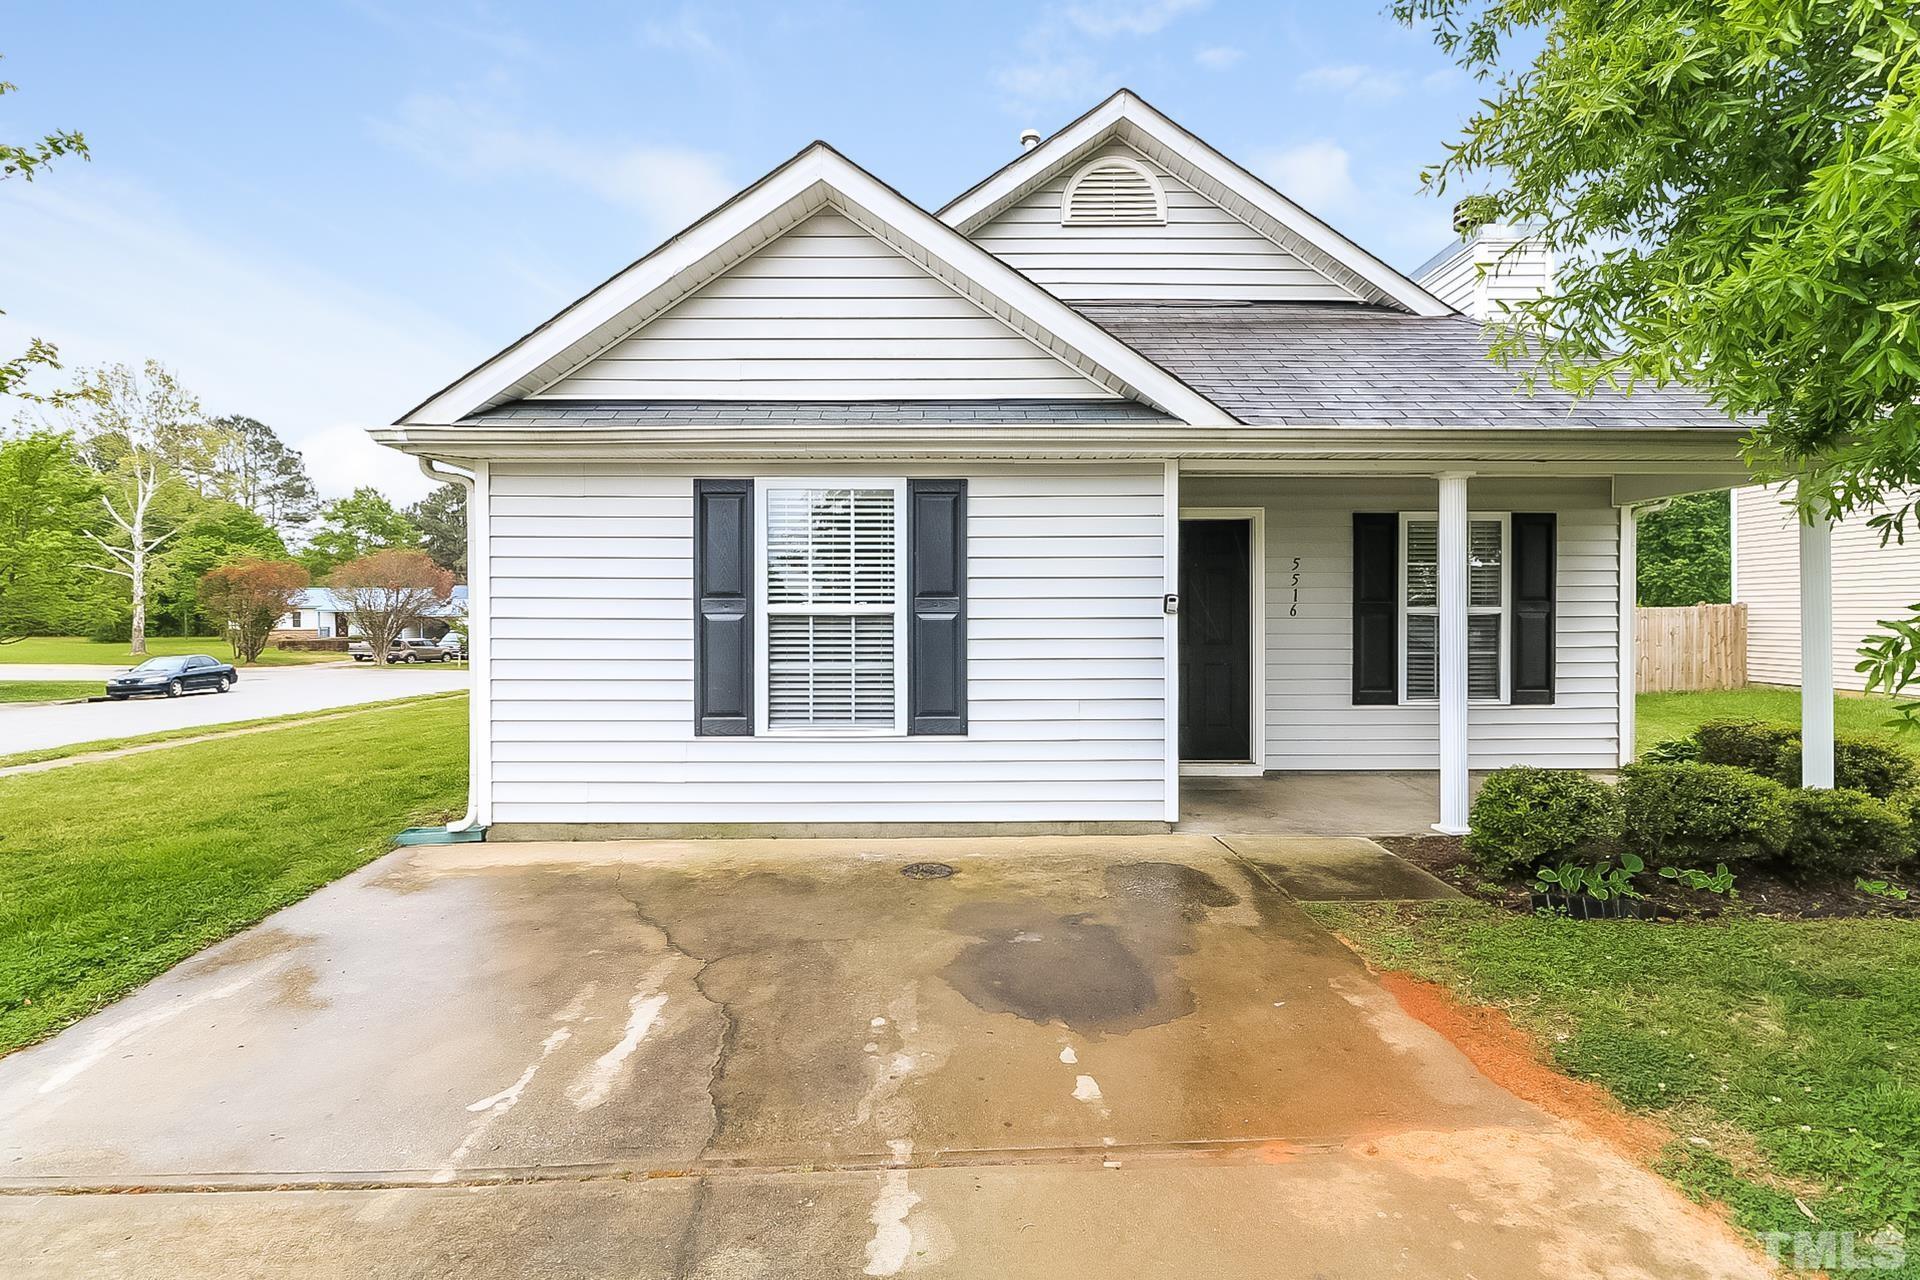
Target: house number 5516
1293, 610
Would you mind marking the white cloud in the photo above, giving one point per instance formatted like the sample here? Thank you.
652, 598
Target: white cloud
1218, 57
669, 186
117, 276
1105, 18
1353, 80
1315, 174
1443, 78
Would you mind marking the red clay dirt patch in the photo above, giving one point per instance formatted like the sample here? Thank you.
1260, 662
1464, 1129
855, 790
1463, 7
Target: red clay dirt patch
1506, 1055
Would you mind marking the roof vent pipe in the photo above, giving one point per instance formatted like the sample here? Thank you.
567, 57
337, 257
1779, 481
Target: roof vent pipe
1029, 139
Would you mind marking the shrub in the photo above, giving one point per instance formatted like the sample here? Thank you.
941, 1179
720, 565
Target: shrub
1525, 816
1701, 812
1773, 751
1770, 750
1870, 765
1906, 805
1842, 831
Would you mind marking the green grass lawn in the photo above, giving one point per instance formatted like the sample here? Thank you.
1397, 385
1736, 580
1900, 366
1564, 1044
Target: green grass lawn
48, 690
1661, 716
95, 652
1791, 1049
110, 873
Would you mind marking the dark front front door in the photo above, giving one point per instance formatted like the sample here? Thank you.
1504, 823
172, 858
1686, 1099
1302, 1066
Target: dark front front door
1216, 671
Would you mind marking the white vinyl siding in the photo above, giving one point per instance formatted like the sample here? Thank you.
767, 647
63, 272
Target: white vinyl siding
825, 312
593, 660
1870, 582
1200, 252
1494, 268
1311, 722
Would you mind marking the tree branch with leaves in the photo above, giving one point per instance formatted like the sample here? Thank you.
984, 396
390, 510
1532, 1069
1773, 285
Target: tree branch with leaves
24, 162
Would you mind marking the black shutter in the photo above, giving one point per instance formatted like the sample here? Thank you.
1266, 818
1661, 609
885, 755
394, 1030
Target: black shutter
723, 608
937, 646
1533, 608
1376, 608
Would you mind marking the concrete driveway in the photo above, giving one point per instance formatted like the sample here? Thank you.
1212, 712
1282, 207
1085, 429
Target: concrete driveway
1072, 1057
261, 691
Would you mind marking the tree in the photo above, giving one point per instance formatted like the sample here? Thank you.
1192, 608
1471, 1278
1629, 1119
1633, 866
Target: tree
136, 431
1733, 191
387, 592
24, 162
48, 501
264, 474
441, 517
355, 526
210, 534
1686, 552
249, 596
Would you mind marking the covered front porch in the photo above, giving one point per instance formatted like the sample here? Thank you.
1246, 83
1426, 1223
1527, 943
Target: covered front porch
1352, 648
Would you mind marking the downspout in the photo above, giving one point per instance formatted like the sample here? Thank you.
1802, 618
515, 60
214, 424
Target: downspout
478, 645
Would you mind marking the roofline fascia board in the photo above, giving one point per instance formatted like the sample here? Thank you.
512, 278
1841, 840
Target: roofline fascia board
819, 171
969, 210
1604, 450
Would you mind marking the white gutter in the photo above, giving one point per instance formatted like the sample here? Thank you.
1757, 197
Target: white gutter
479, 640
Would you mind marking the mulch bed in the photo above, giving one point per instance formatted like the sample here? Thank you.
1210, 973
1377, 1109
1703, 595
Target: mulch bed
1762, 892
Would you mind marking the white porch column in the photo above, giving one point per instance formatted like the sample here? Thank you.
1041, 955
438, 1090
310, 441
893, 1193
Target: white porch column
1816, 652
1170, 584
1451, 552
1629, 657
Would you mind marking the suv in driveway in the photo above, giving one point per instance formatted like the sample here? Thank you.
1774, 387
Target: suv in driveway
403, 650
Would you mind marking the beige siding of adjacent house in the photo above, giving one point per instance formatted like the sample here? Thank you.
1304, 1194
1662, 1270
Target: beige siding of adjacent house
1311, 722
1870, 582
592, 668
825, 312
1203, 252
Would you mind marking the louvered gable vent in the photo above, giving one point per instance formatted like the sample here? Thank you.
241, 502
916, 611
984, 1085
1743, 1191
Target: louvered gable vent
1113, 192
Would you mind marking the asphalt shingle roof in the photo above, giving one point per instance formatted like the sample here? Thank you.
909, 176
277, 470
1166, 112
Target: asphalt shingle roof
848, 412
1314, 365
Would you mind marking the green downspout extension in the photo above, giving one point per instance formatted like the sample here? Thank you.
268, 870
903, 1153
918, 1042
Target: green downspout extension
439, 835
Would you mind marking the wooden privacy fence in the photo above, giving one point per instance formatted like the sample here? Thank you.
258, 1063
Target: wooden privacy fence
1701, 646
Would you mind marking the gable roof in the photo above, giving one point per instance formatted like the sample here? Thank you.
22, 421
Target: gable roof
817, 178
1129, 119
1339, 365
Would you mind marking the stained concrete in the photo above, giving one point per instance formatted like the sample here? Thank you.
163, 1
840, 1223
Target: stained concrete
1313, 804
1337, 869
750, 1058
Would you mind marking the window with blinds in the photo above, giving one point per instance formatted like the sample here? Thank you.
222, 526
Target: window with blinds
1113, 192
1486, 608
832, 607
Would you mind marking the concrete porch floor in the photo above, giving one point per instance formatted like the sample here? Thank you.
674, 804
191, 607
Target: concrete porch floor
1314, 804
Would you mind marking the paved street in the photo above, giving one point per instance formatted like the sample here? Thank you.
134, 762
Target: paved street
262, 691
1114, 1057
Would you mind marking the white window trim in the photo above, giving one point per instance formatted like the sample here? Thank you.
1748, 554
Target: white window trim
1505, 609
1105, 162
761, 610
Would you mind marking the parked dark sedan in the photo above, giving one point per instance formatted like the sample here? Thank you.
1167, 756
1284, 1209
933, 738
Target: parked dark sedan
193, 673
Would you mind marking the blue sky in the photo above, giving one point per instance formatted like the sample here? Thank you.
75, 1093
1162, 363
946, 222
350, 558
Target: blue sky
318, 213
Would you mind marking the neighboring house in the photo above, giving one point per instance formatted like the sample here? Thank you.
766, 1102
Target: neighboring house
835, 514
320, 614
1871, 583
